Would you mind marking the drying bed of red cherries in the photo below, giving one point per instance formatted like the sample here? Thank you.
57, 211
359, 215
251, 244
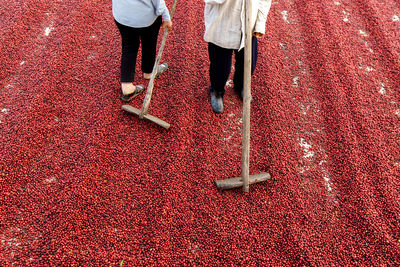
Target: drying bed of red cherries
84, 183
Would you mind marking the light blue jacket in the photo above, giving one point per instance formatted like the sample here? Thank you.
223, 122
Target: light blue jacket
139, 13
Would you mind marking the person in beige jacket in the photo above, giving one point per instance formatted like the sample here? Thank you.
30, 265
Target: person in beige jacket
224, 32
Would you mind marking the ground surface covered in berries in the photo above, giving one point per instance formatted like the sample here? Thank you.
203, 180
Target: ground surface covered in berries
84, 183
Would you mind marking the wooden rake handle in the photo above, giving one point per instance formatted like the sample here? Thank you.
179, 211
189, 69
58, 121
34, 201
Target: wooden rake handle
147, 98
246, 96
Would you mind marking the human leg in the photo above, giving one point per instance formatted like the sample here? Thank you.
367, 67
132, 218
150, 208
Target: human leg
130, 47
220, 67
149, 36
239, 66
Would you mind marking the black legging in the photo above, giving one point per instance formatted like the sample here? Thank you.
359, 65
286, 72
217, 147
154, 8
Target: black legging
221, 63
131, 38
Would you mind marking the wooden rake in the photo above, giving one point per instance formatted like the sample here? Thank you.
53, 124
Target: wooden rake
143, 113
245, 179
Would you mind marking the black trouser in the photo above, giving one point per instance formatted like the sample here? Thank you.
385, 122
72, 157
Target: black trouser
221, 63
131, 38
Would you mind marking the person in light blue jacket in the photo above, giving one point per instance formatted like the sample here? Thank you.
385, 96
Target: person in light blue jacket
139, 21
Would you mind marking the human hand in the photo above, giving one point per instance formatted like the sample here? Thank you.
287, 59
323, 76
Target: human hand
258, 35
167, 25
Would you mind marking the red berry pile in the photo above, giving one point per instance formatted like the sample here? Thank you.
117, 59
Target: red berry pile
84, 183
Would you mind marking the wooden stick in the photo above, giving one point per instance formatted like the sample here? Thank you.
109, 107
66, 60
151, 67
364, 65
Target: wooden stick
238, 182
147, 98
246, 97
245, 179
138, 112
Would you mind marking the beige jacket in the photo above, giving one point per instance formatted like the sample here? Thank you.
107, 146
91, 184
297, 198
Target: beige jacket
224, 21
